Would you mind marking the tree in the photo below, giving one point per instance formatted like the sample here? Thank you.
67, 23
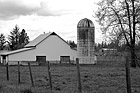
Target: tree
2, 41
72, 44
23, 39
18, 39
14, 38
120, 20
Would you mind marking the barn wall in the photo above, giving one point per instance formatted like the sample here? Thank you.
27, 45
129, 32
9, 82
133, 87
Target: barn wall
53, 47
28, 55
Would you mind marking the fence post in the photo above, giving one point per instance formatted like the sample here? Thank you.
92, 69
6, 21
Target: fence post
7, 71
31, 74
18, 72
128, 79
78, 75
49, 74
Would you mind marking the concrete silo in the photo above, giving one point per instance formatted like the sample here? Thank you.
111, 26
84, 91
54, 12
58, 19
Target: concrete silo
86, 41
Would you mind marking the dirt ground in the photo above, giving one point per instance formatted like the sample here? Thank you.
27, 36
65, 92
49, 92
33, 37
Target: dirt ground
94, 79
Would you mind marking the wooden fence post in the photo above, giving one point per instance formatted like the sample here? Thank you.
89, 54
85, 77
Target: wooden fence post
7, 71
31, 74
78, 75
18, 72
128, 79
49, 74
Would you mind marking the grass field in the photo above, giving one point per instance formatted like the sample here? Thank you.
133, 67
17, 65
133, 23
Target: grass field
94, 79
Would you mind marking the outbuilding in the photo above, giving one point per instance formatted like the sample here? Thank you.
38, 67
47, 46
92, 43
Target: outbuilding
46, 47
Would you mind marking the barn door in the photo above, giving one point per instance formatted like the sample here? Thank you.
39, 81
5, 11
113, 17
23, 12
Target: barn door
4, 60
65, 59
41, 59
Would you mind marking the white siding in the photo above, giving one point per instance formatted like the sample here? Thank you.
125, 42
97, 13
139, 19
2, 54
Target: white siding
28, 55
52, 47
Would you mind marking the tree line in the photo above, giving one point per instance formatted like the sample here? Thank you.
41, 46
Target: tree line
16, 40
113, 45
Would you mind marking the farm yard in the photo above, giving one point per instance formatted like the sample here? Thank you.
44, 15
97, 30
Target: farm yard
94, 79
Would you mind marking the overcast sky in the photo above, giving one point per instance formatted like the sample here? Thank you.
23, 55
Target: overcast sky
39, 16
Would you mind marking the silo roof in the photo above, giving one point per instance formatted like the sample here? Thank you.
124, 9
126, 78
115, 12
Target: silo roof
85, 23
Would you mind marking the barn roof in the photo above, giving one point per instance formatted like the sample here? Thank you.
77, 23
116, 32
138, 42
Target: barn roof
16, 51
37, 40
41, 38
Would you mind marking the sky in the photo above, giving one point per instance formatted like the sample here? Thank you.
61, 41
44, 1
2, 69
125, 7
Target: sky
39, 16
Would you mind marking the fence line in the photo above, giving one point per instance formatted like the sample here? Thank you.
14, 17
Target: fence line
127, 67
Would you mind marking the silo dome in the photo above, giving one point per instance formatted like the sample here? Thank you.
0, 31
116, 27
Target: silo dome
85, 23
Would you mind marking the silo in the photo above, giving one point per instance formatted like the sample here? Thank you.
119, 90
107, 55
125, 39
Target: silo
85, 41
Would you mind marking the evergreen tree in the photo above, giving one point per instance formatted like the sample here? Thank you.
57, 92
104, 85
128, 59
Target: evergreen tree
72, 44
24, 38
14, 38
2, 42
17, 39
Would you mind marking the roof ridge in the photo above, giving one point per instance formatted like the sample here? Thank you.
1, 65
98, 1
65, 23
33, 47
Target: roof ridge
41, 38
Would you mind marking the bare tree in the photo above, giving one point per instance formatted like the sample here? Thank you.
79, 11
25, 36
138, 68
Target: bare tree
120, 20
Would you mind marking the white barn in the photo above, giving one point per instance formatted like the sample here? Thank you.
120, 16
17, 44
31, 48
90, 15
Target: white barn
46, 47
